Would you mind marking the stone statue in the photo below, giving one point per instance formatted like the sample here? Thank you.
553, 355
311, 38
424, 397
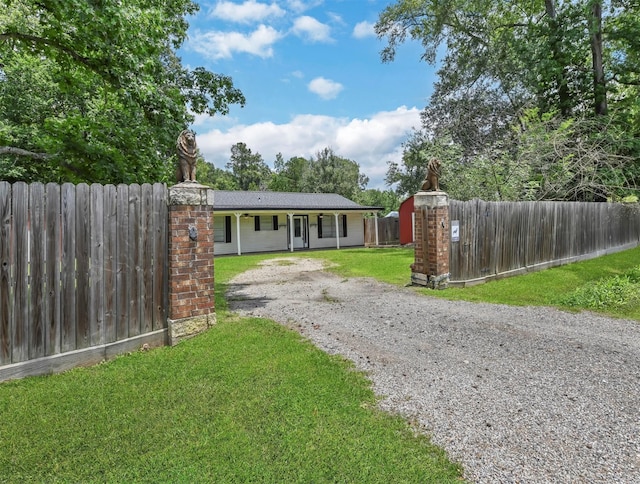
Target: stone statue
430, 182
187, 154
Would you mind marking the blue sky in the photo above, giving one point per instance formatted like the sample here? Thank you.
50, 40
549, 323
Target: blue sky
312, 77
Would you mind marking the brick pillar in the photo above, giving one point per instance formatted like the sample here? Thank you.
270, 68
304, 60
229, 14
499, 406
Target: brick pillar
432, 237
191, 291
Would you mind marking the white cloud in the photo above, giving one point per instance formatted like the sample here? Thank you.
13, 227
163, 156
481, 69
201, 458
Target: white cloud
370, 142
249, 11
325, 88
300, 6
312, 30
336, 18
363, 29
221, 45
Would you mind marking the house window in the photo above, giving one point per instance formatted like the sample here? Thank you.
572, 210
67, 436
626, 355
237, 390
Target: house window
222, 229
266, 222
327, 226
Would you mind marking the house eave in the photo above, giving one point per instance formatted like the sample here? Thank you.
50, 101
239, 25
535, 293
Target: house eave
296, 210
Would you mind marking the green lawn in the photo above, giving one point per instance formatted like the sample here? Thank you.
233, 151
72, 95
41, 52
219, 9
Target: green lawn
551, 287
246, 401
250, 401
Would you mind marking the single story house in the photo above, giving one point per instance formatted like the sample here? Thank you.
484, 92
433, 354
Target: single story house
255, 221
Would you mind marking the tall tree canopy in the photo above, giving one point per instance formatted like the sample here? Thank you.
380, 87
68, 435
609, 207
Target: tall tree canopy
93, 90
513, 70
249, 169
330, 173
325, 173
289, 175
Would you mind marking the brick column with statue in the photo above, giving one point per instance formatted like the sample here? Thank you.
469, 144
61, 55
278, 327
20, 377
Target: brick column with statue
432, 232
191, 276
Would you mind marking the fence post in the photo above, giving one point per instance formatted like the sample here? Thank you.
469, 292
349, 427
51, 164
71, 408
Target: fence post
432, 237
191, 277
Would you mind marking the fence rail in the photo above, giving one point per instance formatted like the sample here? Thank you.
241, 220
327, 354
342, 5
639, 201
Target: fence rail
81, 267
499, 238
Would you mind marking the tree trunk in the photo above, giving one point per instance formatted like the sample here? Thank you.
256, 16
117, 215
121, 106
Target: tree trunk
599, 85
555, 42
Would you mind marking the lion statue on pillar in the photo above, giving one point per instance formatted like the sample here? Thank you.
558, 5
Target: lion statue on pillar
430, 182
187, 156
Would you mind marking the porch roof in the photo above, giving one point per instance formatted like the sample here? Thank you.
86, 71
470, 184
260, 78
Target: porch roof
224, 200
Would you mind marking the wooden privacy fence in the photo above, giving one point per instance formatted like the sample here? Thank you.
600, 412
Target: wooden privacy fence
388, 231
504, 238
83, 273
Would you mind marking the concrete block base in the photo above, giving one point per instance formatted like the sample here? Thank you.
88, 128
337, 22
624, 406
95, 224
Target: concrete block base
432, 282
181, 329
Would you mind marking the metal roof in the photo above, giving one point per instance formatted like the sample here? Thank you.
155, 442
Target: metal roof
224, 200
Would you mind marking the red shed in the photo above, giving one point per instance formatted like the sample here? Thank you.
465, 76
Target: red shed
406, 221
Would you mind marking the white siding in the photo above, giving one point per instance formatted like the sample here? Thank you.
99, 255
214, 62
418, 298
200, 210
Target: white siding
276, 240
252, 240
355, 232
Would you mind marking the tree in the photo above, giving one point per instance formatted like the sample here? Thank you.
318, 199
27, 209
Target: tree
567, 161
94, 91
569, 60
373, 197
248, 169
288, 175
213, 177
330, 173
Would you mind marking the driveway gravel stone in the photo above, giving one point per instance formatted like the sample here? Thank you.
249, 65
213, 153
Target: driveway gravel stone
515, 394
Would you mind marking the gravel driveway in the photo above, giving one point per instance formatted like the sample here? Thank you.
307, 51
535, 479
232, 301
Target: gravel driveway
516, 394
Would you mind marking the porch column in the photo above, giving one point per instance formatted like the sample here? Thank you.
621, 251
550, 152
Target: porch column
238, 232
336, 214
290, 215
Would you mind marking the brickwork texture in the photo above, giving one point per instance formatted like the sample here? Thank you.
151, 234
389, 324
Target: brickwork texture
191, 264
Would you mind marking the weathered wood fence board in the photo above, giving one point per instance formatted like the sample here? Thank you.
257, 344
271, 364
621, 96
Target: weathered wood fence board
160, 262
6, 306
498, 238
388, 231
52, 268
80, 267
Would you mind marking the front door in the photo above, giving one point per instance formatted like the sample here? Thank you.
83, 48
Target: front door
300, 232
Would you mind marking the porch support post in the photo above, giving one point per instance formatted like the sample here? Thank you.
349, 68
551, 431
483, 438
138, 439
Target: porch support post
290, 215
336, 214
238, 233
376, 223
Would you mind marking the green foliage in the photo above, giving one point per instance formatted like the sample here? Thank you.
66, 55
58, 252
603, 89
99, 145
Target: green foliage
94, 92
573, 61
613, 293
327, 173
373, 197
248, 169
289, 175
330, 173
543, 288
216, 178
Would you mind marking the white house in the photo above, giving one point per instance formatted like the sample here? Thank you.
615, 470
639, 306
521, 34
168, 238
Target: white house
251, 221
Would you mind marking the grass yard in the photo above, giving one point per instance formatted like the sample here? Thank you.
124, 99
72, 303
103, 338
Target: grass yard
609, 284
252, 401
247, 401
